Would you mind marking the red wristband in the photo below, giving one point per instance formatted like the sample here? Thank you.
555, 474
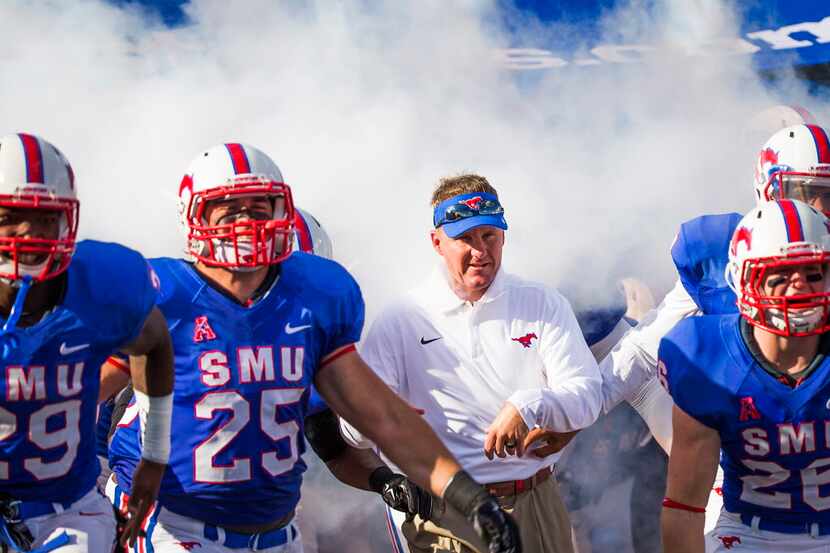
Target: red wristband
672, 504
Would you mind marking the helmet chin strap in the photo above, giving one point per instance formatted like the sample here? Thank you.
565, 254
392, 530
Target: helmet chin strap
17, 307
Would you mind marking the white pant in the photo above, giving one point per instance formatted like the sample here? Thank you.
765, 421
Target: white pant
731, 535
715, 503
394, 520
168, 532
89, 523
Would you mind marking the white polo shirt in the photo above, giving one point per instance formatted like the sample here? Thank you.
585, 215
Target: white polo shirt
460, 362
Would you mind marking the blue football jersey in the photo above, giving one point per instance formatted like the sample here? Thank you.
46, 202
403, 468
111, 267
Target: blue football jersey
243, 380
700, 254
51, 370
775, 440
316, 403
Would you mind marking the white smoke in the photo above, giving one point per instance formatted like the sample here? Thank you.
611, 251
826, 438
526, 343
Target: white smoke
364, 105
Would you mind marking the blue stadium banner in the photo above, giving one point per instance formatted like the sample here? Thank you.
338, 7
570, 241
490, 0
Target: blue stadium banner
775, 33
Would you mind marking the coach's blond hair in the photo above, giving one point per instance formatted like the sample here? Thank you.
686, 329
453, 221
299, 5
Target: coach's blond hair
466, 183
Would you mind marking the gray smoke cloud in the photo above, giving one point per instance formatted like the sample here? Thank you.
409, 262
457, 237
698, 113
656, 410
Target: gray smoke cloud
364, 105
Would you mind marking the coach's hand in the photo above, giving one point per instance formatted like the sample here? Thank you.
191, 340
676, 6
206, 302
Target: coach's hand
506, 434
146, 483
493, 525
541, 442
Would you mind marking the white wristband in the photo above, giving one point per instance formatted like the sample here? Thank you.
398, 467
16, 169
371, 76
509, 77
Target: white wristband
154, 414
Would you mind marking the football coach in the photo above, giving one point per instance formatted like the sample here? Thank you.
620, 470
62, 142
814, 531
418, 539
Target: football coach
487, 356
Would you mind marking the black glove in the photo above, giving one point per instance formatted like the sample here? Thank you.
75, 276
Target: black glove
401, 494
494, 526
14, 529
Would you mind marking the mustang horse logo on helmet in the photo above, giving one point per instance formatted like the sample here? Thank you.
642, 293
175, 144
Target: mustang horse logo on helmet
767, 158
743, 234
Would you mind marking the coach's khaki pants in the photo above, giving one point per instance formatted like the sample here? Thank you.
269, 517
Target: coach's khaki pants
541, 516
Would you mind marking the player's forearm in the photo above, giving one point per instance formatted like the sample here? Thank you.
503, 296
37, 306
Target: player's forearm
682, 531
151, 370
354, 467
151, 357
356, 393
412, 445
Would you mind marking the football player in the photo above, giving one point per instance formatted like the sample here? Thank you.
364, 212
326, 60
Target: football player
751, 389
65, 307
356, 467
253, 329
794, 162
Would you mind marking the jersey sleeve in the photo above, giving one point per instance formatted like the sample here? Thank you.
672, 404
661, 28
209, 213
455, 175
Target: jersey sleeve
316, 403
633, 361
115, 292
681, 373
572, 398
345, 317
700, 255
654, 405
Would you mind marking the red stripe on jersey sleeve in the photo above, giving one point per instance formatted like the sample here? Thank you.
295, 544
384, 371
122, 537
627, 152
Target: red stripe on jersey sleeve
119, 363
339, 352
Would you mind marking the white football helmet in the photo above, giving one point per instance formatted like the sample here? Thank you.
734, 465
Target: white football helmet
764, 123
227, 171
794, 164
34, 175
778, 236
311, 237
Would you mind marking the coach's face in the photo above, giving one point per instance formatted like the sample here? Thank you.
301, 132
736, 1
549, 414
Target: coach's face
472, 259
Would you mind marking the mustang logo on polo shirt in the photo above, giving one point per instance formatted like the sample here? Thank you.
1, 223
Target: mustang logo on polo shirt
526, 340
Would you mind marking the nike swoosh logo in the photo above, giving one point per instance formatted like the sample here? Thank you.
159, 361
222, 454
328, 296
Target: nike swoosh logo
65, 350
425, 342
83, 514
294, 329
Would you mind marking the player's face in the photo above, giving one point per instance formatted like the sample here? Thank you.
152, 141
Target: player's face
246, 208
30, 223
472, 259
794, 280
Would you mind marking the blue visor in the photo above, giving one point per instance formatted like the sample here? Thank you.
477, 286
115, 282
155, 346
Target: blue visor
461, 213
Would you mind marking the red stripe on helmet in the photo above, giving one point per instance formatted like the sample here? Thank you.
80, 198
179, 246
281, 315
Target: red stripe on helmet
239, 158
34, 158
795, 232
822, 143
304, 235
